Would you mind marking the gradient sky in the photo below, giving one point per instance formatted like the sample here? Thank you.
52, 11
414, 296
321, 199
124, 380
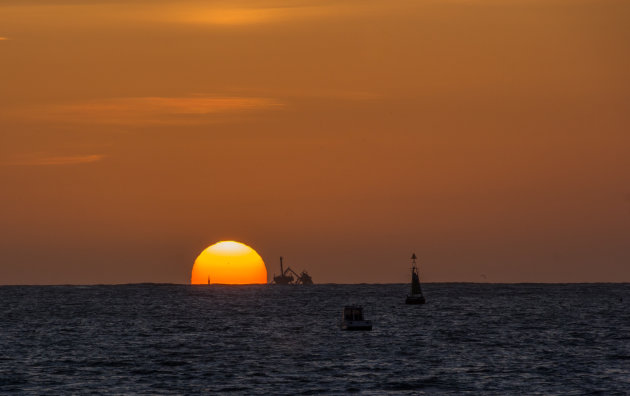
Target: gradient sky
490, 137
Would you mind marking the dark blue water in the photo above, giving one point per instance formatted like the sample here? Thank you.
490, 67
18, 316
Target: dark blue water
468, 338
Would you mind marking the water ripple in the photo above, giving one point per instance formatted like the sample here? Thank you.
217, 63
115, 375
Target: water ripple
165, 339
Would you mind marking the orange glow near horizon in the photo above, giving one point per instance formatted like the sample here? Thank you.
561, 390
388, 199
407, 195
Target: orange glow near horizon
229, 262
492, 135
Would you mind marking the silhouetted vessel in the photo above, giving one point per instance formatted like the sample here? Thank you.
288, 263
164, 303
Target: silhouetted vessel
286, 277
352, 319
416, 296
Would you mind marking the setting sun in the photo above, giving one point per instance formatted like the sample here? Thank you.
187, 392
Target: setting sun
229, 262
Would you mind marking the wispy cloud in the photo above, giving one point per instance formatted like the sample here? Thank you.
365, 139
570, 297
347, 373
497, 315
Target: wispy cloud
249, 15
41, 160
220, 13
147, 110
215, 14
3, 38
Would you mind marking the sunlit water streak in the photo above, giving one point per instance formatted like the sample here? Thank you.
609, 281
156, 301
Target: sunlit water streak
468, 338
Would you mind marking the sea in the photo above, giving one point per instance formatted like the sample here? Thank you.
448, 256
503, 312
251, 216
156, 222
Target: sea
477, 339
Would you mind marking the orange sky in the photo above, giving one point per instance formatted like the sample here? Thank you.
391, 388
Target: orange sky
490, 137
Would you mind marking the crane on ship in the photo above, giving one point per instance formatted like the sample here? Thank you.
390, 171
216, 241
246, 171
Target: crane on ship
289, 277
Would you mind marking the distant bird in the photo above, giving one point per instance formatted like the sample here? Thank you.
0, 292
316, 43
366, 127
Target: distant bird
484, 276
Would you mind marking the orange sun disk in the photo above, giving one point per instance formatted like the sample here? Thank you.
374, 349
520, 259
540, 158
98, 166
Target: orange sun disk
229, 262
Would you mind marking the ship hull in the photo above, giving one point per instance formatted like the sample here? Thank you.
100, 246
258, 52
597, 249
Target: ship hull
415, 300
357, 325
283, 280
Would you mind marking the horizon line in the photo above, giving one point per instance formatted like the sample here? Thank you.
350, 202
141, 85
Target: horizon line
300, 286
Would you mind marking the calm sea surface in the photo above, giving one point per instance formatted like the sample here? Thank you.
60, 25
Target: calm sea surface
175, 339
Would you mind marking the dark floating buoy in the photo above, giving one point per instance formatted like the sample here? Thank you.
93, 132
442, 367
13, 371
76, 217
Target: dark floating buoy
416, 296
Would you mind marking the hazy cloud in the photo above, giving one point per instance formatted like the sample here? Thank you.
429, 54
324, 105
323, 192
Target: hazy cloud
148, 110
38, 160
189, 12
4, 38
194, 12
246, 15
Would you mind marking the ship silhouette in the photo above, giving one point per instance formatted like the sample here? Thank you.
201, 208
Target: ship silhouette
286, 277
